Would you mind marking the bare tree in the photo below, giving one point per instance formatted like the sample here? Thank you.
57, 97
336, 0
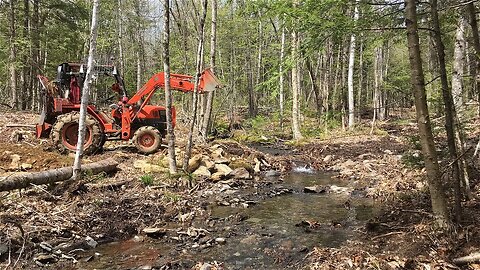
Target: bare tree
351, 66
86, 92
172, 163
213, 44
437, 194
281, 78
199, 64
297, 135
448, 102
13, 56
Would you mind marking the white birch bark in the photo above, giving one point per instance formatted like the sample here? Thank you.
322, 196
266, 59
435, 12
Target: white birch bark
297, 135
458, 65
86, 92
351, 65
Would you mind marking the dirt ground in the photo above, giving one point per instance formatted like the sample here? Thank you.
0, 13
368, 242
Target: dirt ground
48, 226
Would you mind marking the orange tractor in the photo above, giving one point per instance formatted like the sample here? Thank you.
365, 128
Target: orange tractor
129, 119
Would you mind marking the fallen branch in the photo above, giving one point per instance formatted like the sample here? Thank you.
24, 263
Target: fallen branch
19, 125
387, 234
473, 257
17, 181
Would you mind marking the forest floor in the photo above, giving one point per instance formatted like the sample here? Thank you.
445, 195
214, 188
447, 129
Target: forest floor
59, 227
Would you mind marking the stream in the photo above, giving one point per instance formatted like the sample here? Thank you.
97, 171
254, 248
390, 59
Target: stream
274, 233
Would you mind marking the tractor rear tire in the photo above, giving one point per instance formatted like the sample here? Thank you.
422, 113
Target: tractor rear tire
64, 134
147, 139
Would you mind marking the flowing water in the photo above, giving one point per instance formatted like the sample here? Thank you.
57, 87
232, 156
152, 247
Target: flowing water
275, 233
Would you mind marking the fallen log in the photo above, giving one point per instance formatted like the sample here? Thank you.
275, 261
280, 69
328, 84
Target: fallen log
474, 257
17, 181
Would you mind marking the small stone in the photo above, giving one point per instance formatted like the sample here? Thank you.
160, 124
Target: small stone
154, 232
272, 173
15, 161
145, 267
223, 169
327, 158
26, 166
194, 163
240, 173
138, 239
206, 266
314, 189
45, 258
91, 242
220, 240
202, 171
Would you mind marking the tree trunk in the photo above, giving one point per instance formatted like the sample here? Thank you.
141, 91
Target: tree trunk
86, 92
25, 75
120, 36
13, 57
472, 14
199, 64
297, 135
52, 176
437, 194
449, 108
207, 121
351, 66
458, 65
316, 91
35, 30
281, 78
172, 162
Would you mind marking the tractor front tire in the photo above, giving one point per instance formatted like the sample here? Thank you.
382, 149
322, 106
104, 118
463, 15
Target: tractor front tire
147, 139
64, 134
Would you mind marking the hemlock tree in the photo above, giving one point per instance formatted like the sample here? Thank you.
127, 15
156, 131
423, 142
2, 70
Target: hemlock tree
85, 93
172, 162
437, 194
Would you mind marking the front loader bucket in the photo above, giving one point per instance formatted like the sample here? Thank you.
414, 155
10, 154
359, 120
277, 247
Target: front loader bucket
208, 81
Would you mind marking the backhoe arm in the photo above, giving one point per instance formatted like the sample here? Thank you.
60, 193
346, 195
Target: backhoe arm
179, 82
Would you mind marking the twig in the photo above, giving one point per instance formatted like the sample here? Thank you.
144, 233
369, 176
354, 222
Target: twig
387, 234
473, 257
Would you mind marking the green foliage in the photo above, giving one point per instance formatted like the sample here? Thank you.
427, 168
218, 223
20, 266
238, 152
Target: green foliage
147, 179
413, 160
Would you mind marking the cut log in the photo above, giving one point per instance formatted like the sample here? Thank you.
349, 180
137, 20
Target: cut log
51, 176
474, 257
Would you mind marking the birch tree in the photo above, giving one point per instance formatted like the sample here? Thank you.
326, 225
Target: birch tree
86, 92
199, 64
351, 66
213, 44
297, 135
172, 162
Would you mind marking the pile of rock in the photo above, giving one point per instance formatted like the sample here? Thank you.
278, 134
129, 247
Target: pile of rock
213, 163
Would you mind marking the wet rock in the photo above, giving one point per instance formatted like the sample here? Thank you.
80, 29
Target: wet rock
202, 171
315, 189
43, 259
91, 242
272, 173
154, 232
240, 173
194, 163
340, 190
220, 240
